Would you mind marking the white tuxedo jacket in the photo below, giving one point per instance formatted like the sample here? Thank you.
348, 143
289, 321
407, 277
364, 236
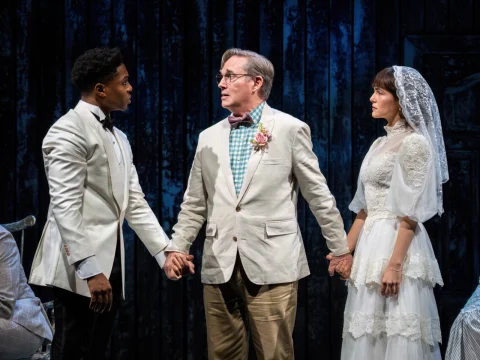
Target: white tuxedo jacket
90, 196
261, 222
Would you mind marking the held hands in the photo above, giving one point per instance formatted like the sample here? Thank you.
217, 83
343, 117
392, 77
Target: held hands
178, 265
341, 264
392, 277
100, 292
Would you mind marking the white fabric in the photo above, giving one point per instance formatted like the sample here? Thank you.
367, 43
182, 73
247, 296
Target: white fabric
101, 115
404, 159
89, 267
392, 184
118, 152
161, 258
92, 108
260, 224
90, 196
421, 112
412, 190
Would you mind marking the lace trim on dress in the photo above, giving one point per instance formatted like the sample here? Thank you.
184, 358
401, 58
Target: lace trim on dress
416, 266
410, 326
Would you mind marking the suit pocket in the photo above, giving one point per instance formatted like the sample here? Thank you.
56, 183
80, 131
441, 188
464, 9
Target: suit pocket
211, 229
272, 161
281, 227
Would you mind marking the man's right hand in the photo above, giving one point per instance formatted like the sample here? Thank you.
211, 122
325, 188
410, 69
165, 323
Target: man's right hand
176, 263
100, 292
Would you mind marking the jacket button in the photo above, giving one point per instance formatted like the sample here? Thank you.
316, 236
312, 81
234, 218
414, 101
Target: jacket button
237, 209
234, 238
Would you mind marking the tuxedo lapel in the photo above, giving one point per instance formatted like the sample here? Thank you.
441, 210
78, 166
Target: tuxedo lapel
126, 166
268, 122
224, 157
116, 178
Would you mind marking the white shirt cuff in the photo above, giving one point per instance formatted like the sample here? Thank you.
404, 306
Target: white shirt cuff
161, 257
87, 268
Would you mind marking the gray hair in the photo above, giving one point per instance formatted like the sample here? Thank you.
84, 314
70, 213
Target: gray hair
257, 65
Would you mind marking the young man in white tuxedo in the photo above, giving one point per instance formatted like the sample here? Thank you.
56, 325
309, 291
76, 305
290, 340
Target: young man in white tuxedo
93, 187
245, 180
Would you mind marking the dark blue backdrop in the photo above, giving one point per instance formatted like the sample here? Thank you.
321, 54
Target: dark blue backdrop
325, 54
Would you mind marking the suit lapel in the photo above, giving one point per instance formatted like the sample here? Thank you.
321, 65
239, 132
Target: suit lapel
126, 167
116, 179
268, 122
224, 157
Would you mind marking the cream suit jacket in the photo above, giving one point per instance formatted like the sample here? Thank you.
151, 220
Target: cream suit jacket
260, 224
90, 196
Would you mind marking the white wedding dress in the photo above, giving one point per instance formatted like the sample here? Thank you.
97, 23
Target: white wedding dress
395, 181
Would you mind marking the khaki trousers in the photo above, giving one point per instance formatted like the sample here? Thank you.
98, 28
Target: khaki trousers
239, 309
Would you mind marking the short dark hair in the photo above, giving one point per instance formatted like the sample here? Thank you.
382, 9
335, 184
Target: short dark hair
385, 79
98, 65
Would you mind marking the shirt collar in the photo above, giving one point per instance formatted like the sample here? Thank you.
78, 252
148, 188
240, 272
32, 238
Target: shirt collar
256, 113
93, 108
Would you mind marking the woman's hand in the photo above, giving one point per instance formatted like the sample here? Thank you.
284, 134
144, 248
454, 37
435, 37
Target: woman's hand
392, 277
343, 270
341, 267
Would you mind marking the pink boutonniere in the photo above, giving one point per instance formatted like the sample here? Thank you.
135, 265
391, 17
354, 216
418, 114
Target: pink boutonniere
261, 139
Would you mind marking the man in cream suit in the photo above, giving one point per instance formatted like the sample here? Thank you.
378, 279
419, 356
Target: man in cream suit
93, 187
245, 183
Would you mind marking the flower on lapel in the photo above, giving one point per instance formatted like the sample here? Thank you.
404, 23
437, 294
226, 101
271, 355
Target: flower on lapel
261, 139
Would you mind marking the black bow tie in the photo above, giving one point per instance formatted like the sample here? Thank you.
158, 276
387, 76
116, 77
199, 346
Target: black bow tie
107, 123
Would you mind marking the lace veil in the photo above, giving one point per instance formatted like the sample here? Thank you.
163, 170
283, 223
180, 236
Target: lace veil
421, 112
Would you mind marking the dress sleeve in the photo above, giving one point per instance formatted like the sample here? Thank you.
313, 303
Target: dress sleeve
412, 189
358, 203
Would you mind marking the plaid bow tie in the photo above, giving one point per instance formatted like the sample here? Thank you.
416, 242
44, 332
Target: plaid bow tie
236, 121
107, 123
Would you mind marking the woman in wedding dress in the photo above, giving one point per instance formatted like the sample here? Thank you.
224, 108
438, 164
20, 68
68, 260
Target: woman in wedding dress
390, 311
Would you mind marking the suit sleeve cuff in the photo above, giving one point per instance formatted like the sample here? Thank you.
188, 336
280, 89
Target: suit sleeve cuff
87, 268
178, 245
342, 252
343, 249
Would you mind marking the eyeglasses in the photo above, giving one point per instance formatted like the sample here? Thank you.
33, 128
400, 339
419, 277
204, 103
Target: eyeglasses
229, 77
